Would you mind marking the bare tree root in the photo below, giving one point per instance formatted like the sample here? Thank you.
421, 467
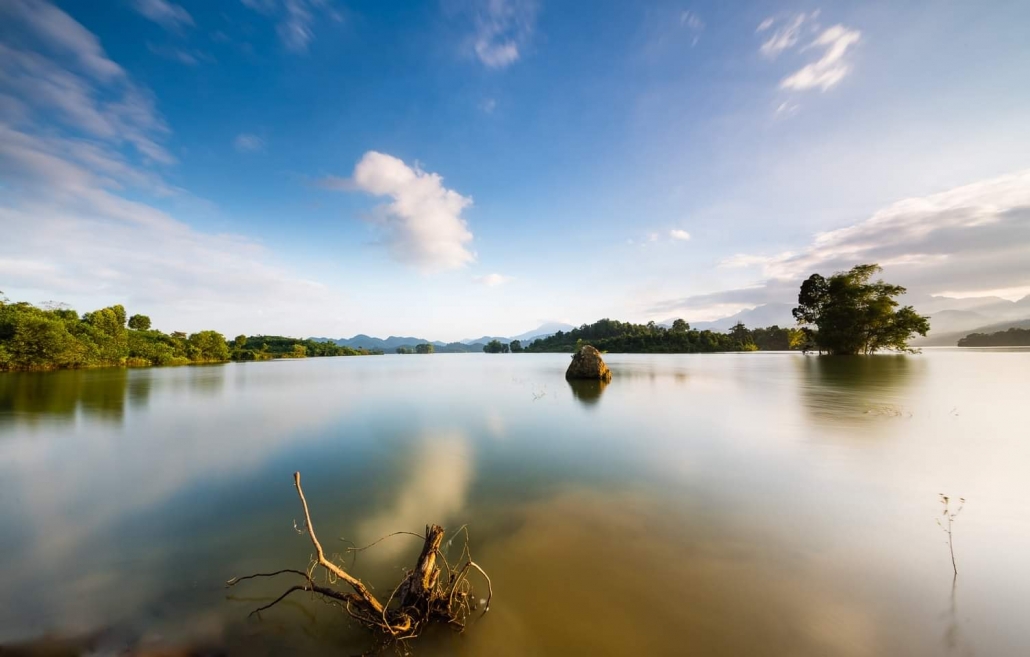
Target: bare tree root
432, 591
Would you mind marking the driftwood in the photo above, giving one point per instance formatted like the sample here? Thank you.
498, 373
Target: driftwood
426, 594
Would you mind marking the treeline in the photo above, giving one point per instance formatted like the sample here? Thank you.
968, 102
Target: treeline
615, 336
34, 338
423, 348
1014, 337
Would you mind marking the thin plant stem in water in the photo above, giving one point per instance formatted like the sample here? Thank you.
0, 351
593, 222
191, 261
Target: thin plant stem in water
946, 525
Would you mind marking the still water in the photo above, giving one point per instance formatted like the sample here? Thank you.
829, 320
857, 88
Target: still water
732, 504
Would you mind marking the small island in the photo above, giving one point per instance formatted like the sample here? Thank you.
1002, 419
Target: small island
1014, 337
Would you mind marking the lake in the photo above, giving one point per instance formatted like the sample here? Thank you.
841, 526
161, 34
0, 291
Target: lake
722, 504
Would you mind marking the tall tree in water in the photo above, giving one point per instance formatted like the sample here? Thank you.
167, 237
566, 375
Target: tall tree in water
852, 315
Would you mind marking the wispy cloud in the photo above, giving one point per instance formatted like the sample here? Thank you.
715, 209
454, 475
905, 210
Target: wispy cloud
679, 234
422, 224
166, 14
181, 55
248, 143
492, 280
77, 84
63, 33
830, 69
694, 24
74, 214
502, 29
296, 19
786, 36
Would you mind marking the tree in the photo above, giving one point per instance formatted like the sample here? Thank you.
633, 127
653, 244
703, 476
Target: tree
209, 346
493, 347
742, 337
516, 347
852, 315
680, 326
139, 323
424, 348
240, 342
403, 349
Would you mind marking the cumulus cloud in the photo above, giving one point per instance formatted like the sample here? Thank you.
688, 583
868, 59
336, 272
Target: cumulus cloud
967, 241
248, 143
827, 71
679, 234
492, 280
166, 14
502, 29
422, 224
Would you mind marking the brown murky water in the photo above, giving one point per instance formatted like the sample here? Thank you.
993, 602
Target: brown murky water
729, 504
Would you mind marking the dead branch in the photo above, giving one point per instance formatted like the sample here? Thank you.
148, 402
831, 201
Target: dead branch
421, 597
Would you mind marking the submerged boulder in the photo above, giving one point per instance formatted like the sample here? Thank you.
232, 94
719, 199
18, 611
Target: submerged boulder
588, 364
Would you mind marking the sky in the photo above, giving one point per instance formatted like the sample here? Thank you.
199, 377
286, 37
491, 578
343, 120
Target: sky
449, 169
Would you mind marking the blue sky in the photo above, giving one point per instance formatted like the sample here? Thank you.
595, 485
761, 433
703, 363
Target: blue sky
452, 169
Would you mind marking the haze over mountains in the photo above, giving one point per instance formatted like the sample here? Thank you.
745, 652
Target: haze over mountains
950, 319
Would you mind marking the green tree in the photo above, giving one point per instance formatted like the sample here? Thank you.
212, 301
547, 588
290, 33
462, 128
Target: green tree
404, 349
516, 347
240, 342
208, 346
680, 326
139, 323
493, 347
852, 315
424, 348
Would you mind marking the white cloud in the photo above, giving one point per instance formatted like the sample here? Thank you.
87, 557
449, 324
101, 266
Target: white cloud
166, 14
83, 89
765, 25
248, 143
678, 234
502, 28
488, 105
787, 108
785, 37
422, 224
296, 19
63, 33
971, 240
829, 69
175, 54
692, 22
492, 280
73, 215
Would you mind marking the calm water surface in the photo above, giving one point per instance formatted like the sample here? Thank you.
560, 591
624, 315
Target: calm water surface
734, 504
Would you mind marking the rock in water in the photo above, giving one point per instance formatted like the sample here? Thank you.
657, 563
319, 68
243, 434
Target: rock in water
588, 364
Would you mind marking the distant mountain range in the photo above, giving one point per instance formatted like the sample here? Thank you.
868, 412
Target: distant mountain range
950, 319
390, 344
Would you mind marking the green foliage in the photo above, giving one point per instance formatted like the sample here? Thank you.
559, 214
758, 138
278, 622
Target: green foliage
609, 335
852, 315
424, 348
55, 337
516, 347
404, 349
1014, 337
494, 347
139, 323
